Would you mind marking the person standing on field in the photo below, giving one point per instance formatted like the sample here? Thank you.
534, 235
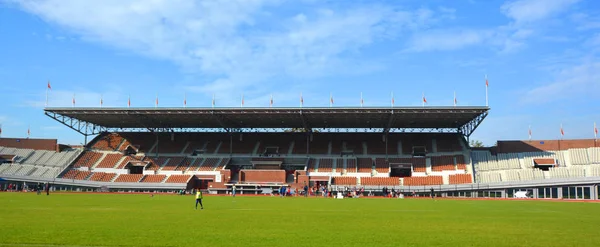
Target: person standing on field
432, 194
233, 190
199, 199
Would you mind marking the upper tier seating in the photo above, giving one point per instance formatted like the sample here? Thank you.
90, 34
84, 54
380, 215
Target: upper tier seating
87, 159
382, 166
419, 164
365, 164
109, 161
108, 142
326, 165
442, 163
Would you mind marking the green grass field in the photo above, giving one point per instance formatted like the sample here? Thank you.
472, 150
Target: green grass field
170, 220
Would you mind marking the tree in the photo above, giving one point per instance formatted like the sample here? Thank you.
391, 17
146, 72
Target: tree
476, 144
299, 130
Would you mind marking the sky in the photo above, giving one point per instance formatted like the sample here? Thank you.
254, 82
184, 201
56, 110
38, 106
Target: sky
541, 58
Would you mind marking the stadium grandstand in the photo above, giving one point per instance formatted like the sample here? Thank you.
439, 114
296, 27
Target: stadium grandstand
409, 149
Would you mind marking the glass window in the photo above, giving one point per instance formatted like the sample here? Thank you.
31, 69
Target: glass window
572, 193
586, 193
579, 192
565, 192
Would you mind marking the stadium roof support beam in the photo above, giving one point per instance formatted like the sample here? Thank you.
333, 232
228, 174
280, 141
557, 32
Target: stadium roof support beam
389, 123
305, 125
80, 126
221, 121
148, 119
470, 127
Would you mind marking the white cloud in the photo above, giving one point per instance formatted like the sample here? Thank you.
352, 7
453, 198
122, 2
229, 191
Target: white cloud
238, 43
446, 39
585, 21
527, 11
577, 82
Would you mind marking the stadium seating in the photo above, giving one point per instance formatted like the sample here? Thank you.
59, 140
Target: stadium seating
344, 180
365, 165
102, 177
351, 165
109, 161
423, 181
87, 159
129, 178
380, 181
108, 142
153, 178
178, 179
325, 165
172, 163
442, 163
82, 175
460, 179
382, 166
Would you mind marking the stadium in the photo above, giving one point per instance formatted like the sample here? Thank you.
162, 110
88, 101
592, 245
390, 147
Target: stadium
80, 165
150, 155
411, 150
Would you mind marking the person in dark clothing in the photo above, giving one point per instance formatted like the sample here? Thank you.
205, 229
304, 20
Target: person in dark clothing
432, 194
199, 199
47, 189
305, 190
39, 189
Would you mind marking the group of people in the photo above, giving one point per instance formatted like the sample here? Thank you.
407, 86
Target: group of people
39, 188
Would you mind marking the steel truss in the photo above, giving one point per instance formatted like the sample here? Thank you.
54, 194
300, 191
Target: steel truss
82, 127
468, 129
143, 122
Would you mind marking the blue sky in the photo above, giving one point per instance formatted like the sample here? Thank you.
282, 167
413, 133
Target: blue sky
541, 57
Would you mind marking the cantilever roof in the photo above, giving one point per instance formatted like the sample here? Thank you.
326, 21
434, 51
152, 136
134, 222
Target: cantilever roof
240, 118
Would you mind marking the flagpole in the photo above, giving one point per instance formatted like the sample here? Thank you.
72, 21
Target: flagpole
423, 99
392, 99
301, 100
184, 100
213, 101
454, 98
101, 101
242, 103
330, 100
361, 99
46, 105
486, 91
529, 132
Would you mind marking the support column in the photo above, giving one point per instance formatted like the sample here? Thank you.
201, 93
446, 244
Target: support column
230, 143
386, 145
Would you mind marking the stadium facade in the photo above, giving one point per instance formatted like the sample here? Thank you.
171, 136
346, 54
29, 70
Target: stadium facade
409, 149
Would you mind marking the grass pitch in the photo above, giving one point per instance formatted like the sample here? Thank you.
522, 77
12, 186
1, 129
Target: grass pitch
169, 220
